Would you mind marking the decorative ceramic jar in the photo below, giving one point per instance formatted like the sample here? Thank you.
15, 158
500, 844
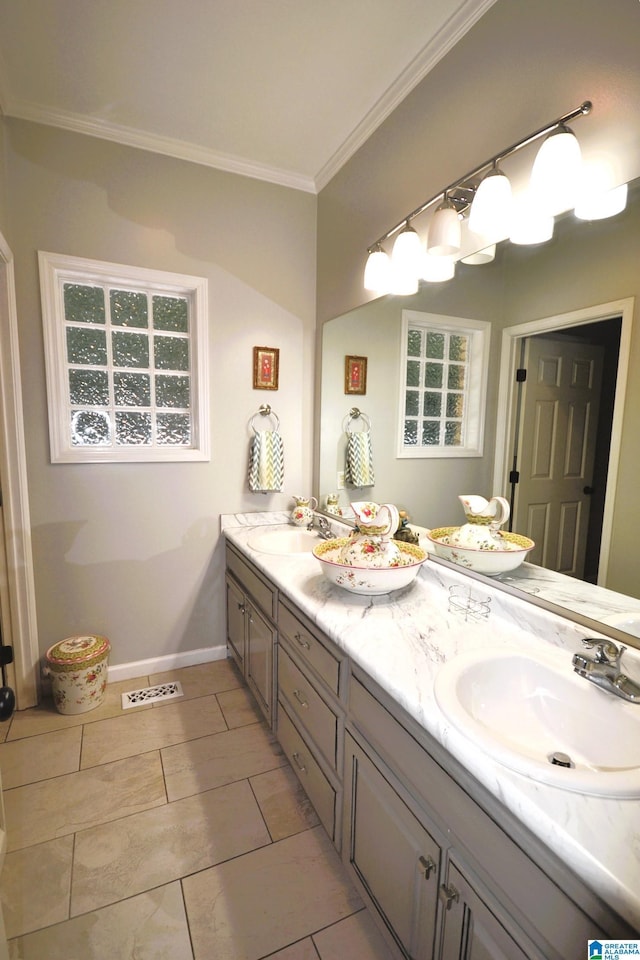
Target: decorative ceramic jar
484, 519
372, 544
302, 513
332, 506
78, 668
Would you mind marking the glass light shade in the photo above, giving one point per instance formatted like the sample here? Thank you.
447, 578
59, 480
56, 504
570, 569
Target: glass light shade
404, 282
531, 224
482, 256
406, 262
377, 272
602, 204
445, 235
555, 175
491, 210
437, 268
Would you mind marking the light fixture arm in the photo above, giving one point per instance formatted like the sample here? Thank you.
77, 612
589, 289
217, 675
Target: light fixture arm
580, 111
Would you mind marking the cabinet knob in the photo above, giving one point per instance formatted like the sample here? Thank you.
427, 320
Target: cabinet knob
241, 607
427, 865
300, 639
448, 895
298, 762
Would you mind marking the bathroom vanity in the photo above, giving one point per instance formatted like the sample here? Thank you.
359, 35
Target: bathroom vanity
455, 854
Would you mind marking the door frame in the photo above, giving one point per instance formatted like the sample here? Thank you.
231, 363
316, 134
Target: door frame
505, 422
19, 622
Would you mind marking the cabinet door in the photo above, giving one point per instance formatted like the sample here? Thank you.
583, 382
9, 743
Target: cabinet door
235, 621
260, 640
393, 857
472, 930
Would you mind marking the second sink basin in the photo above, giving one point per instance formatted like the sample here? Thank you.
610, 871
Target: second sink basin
524, 709
283, 540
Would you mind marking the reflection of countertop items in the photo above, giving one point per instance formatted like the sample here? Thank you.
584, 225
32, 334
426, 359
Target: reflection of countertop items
629, 622
402, 639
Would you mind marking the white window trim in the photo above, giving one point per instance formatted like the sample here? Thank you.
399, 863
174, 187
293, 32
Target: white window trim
480, 333
55, 271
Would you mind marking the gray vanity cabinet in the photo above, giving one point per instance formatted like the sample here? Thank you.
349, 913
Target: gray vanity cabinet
251, 630
395, 859
310, 724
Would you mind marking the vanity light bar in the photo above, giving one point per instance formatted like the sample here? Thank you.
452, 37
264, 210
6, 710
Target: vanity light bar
456, 191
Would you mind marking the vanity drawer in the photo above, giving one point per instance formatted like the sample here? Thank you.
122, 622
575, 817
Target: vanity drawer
309, 648
314, 714
316, 786
261, 590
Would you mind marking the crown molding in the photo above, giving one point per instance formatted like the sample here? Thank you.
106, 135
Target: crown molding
168, 146
446, 38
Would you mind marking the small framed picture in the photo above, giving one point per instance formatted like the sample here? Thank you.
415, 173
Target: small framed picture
266, 362
355, 374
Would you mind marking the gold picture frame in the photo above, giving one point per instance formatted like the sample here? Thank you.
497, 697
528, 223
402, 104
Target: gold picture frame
355, 375
266, 368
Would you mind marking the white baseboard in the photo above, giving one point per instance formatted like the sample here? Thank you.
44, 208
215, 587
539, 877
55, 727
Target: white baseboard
173, 661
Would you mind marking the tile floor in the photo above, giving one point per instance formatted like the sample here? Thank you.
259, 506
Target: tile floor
171, 830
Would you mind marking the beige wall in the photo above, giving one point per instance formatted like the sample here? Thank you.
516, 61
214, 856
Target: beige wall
133, 551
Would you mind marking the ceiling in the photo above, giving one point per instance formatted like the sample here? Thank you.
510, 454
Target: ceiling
280, 90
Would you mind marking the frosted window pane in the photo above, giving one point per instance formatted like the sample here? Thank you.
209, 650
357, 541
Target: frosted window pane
133, 428
132, 389
90, 428
435, 345
83, 304
88, 387
414, 343
433, 375
432, 404
170, 313
173, 429
129, 309
412, 403
455, 404
455, 377
171, 353
458, 348
86, 346
413, 373
172, 391
130, 349
430, 433
452, 434
410, 433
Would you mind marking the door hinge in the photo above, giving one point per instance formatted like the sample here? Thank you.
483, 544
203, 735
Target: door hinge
521, 375
514, 476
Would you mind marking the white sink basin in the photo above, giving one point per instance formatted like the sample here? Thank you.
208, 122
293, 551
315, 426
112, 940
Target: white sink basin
522, 708
283, 540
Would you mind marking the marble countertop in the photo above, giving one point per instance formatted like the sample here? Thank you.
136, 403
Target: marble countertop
402, 639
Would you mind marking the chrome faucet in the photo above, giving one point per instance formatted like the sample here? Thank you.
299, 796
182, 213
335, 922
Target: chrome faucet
604, 669
321, 524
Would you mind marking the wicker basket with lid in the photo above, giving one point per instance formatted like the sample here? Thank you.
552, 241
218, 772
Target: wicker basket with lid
78, 667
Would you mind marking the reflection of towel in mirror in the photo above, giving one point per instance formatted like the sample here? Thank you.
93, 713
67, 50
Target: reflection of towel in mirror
359, 463
266, 462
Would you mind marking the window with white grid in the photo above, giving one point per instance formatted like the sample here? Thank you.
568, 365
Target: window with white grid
126, 354
443, 385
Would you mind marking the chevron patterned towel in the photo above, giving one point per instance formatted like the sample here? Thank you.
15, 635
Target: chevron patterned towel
359, 463
266, 462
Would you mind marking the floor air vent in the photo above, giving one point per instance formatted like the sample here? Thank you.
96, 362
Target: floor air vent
163, 691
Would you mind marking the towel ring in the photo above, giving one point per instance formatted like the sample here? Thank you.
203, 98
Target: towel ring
355, 414
264, 410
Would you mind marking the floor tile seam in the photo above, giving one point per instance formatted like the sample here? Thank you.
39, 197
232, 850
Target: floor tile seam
335, 923
186, 697
186, 917
278, 950
226, 783
81, 769
164, 746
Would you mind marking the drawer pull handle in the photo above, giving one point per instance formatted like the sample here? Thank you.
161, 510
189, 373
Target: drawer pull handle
427, 864
296, 759
449, 895
301, 641
300, 699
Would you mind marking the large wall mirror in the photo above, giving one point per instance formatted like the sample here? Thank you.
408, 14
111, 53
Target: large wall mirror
578, 292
